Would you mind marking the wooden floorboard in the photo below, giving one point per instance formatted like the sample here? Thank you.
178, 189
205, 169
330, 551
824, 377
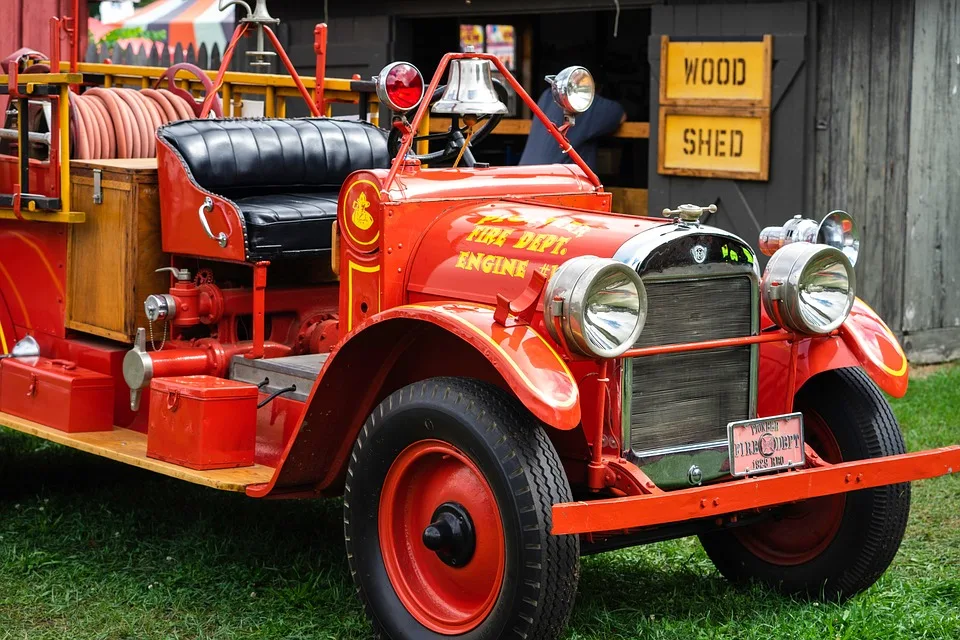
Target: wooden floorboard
130, 447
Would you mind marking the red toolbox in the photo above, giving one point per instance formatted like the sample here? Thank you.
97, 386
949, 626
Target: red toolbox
202, 422
56, 393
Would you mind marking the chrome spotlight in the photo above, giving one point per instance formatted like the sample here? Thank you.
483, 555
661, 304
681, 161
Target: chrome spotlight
573, 89
837, 230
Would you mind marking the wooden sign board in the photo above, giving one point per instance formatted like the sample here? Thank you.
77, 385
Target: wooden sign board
711, 142
716, 73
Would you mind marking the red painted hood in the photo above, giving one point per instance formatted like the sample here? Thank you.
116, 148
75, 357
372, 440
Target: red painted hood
480, 249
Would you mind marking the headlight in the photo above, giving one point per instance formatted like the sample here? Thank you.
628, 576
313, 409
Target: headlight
837, 230
573, 89
599, 303
808, 288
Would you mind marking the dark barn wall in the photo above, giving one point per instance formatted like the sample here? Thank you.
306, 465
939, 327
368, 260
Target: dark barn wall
931, 314
862, 137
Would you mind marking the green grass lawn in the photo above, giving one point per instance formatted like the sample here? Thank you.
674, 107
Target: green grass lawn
95, 549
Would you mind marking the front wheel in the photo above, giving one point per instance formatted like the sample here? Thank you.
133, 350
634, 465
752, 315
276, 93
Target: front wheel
447, 515
835, 546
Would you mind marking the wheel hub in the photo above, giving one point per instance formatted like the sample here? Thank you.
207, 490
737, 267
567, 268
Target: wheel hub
451, 535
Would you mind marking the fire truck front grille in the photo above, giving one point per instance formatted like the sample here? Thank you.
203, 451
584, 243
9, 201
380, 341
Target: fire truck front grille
683, 399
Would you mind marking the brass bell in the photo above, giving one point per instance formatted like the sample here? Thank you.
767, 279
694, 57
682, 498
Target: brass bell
469, 90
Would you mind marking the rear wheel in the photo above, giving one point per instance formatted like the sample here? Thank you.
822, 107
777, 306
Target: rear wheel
447, 513
835, 546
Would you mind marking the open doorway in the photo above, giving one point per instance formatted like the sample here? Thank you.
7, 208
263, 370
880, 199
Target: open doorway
613, 49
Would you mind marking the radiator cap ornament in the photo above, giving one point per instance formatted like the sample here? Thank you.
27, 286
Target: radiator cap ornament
689, 212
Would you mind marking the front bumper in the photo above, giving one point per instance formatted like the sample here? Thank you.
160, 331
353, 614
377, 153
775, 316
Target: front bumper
635, 512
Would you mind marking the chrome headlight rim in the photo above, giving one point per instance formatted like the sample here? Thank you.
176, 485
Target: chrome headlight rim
567, 298
788, 275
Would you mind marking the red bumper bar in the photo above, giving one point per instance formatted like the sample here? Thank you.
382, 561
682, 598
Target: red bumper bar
753, 493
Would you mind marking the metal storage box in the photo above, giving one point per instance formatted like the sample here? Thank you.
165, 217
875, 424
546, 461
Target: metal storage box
202, 422
57, 393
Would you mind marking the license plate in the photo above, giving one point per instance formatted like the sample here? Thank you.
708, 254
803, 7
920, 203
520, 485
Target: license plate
766, 444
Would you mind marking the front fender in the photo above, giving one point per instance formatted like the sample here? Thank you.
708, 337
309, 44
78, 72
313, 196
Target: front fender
863, 340
877, 349
527, 362
403, 345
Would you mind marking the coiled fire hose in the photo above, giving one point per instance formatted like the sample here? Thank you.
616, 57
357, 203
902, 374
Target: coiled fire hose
122, 123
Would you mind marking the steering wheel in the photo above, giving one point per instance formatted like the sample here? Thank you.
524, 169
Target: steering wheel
170, 76
455, 137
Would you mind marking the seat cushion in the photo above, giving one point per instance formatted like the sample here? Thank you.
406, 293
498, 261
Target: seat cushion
288, 223
239, 157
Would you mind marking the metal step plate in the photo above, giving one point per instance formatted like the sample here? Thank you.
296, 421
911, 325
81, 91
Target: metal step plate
280, 373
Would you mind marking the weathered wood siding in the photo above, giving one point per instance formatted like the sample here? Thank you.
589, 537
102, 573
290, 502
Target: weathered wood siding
931, 313
862, 137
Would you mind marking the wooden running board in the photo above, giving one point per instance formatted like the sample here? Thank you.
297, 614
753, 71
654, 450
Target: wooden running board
125, 445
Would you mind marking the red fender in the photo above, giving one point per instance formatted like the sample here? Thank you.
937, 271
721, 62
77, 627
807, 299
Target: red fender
877, 349
402, 345
862, 341
534, 370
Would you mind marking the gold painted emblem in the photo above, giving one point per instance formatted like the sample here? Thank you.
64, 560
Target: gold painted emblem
361, 217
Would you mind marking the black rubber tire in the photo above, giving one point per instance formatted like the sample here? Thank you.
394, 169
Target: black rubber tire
512, 450
873, 520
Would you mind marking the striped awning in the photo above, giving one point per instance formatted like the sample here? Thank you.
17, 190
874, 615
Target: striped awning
186, 22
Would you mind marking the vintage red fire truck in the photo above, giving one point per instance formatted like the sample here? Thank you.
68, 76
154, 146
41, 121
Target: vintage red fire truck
496, 371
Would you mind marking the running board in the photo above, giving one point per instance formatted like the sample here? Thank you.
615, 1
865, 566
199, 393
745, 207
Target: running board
617, 514
130, 447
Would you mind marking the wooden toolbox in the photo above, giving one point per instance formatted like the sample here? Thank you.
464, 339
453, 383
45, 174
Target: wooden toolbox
115, 253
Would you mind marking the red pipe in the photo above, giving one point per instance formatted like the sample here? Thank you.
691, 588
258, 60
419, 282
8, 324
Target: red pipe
682, 347
224, 64
320, 48
791, 376
181, 362
75, 53
259, 307
596, 469
293, 72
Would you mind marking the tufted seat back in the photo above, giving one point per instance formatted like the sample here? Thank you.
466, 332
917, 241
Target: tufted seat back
245, 156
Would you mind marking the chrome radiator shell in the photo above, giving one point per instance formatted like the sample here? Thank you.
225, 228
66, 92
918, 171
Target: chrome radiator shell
703, 284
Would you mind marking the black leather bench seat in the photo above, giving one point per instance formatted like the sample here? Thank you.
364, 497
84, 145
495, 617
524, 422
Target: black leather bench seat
283, 175
289, 223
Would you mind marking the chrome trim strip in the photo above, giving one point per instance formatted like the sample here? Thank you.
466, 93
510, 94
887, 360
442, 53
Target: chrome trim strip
636, 250
687, 448
626, 401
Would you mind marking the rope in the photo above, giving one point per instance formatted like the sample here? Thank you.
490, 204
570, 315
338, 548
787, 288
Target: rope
466, 141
